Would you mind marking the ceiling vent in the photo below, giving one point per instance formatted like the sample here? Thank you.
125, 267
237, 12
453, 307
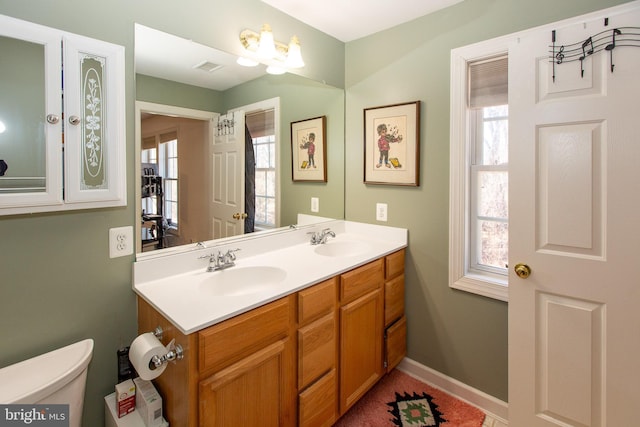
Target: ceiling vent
207, 66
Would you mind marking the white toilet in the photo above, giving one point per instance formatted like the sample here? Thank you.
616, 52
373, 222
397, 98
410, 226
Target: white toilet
55, 377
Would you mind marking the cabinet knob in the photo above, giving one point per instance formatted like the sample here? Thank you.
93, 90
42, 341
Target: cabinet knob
74, 120
52, 119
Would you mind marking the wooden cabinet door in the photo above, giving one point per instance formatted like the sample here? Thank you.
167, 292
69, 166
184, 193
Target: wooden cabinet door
396, 343
317, 404
361, 336
251, 392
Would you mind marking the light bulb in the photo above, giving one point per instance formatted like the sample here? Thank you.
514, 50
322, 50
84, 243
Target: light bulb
275, 70
294, 55
266, 46
246, 62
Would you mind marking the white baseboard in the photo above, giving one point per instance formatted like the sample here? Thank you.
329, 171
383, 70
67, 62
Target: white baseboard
495, 408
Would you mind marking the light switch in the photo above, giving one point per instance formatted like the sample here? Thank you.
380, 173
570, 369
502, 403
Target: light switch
315, 204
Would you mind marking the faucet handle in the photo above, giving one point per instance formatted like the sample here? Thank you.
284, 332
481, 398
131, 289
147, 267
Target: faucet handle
315, 237
231, 253
209, 256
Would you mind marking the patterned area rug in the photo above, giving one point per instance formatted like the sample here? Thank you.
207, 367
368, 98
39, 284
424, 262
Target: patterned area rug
415, 411
403, 401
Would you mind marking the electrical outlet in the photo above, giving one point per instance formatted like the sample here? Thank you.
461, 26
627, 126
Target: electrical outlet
315, 204
120, 241
381, 211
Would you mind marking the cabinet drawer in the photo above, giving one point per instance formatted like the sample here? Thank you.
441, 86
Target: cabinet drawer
225, 343
396, 345
316, 350
393, 299
360, 281
317, 301
317, 404
394, 264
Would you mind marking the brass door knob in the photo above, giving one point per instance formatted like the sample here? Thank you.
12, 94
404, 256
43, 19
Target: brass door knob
240, 215
522, 270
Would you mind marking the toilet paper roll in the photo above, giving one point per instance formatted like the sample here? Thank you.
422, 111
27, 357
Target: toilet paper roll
141, 353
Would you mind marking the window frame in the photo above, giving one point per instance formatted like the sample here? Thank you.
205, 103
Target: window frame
461, 277
164, 159
271, 143
476, 166
271, 103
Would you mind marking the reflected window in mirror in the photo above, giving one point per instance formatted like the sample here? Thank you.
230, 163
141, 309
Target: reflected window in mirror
159, 203
260, 125
264, 149
168, 161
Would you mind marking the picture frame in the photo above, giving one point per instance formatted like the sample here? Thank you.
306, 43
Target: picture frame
392, 144
309, 150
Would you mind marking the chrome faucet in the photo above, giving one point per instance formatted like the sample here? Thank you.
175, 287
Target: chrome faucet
320, 237
220, 261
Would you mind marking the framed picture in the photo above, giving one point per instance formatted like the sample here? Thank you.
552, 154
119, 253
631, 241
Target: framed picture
309, 150
392, 144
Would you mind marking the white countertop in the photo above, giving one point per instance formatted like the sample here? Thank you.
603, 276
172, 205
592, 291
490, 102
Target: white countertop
174, 286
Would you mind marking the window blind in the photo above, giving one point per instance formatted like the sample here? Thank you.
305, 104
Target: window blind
169, 136
148, 142
488, 82
260, 123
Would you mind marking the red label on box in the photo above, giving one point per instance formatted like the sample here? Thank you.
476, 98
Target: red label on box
126, 406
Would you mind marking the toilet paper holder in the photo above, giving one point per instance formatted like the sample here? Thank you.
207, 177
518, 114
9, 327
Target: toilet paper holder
174, 352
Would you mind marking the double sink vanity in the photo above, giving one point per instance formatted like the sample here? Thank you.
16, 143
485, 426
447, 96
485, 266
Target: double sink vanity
281, 329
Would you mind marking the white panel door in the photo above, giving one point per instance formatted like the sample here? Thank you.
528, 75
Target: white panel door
228, 176
574, 323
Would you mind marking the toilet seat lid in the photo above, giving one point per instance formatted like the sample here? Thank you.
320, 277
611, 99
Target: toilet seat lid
32, 379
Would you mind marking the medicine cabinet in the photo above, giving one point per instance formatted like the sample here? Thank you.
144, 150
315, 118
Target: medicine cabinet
62, 120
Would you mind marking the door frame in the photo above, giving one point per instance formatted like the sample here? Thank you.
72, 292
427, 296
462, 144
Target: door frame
266, 104
166, 110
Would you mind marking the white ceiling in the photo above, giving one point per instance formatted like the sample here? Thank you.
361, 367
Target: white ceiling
166, 56
349, 20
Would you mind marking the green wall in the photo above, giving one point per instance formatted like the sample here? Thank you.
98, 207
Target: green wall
457, 333
160, 91
302, 99
57, 282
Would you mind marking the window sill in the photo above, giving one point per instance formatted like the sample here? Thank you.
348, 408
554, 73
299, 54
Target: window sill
482, 285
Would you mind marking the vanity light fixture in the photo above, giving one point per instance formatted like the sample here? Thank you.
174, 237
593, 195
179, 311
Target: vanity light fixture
246, 62
275, 70
262, 48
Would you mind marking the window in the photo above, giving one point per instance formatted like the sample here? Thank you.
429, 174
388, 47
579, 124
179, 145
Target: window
261, 125
169, 171
488, 222
479, 220
264, 148
162, 150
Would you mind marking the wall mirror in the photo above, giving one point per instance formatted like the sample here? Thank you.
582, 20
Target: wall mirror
189, 97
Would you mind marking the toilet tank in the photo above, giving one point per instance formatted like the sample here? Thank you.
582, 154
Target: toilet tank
57, 377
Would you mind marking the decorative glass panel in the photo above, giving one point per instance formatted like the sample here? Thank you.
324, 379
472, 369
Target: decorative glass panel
93, 169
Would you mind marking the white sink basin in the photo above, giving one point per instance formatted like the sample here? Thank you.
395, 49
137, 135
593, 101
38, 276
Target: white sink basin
238, 281
345, 248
